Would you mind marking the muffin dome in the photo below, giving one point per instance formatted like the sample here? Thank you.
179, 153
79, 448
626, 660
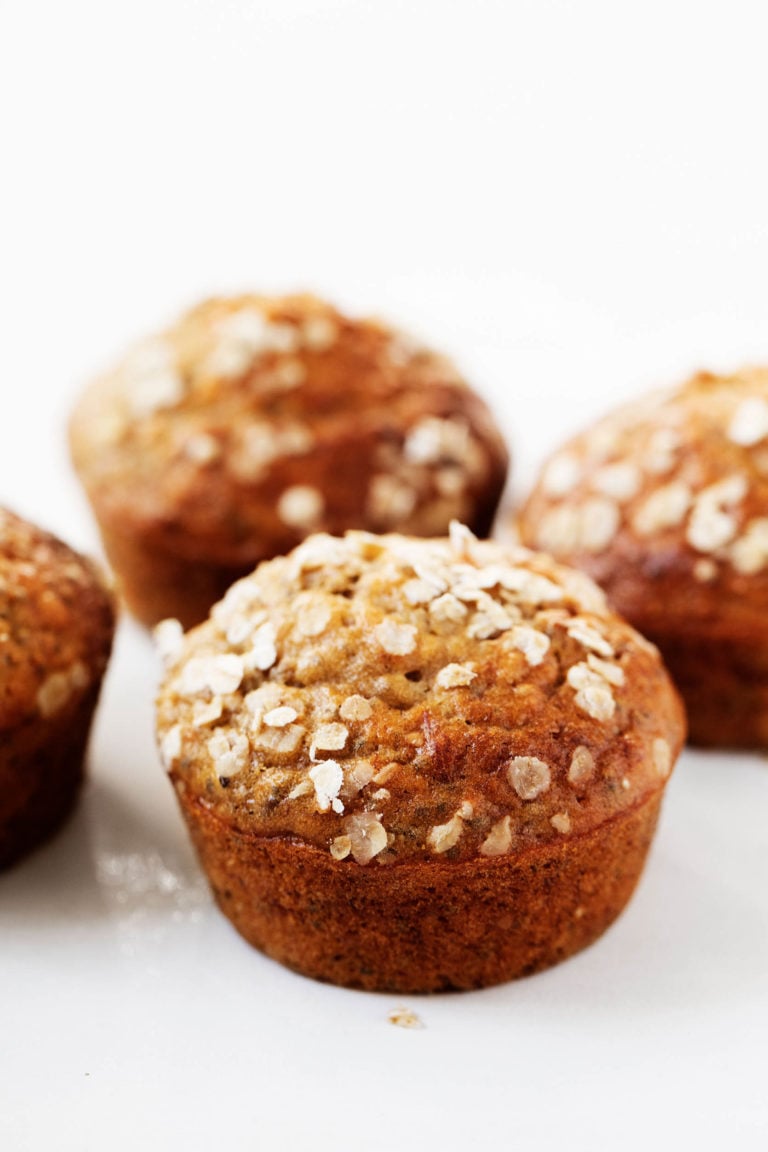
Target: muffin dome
414, 765
256, 421
665, 504
56, 623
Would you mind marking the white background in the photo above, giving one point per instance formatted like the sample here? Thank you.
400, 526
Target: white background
572, 198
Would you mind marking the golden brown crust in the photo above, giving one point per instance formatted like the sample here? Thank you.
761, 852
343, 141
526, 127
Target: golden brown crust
56, 624
254, 422
416, 708
665, 504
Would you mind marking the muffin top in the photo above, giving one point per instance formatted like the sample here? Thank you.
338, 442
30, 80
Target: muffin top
672, 489
268, 418
56, 621
389, 698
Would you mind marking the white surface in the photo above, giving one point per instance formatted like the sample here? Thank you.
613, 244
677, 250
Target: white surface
571, 198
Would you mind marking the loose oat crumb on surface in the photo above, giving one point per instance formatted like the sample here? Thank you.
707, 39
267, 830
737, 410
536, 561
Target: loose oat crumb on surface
561, 822
529, 776
405, 1018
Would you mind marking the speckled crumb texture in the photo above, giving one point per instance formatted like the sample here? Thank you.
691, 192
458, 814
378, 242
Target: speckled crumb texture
255, 422
665, 504
415, 743
56, 625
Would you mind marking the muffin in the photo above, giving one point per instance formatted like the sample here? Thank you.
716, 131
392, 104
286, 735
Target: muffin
665, 504
56, 624
254, 422
414, 765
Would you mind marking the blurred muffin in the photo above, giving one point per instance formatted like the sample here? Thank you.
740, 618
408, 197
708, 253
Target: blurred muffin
256, 421
665, 503
56, 624
414, 765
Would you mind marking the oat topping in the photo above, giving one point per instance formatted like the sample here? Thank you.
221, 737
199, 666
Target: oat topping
443, 837
207, 712
712, 524
749, 424
620, 481
533, 644
562, 474
396, 639
170, 746
499, 839
367, 836
341, 846
455, 676
150, 379
705, 570
319, 726
300, 506
229, 751
391, 499
433, 439
593, 694
329, 738
355, 708
665, 508
280, 717
749, 554
57, 690
529, 776
327, 777
582, 767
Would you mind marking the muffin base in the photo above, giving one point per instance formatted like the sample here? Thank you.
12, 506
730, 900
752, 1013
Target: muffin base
724, 684
41, 773
156, 585
423, 927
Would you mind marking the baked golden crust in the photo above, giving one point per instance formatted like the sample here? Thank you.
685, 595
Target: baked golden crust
56, 624
452, 715
256, 421
665, 504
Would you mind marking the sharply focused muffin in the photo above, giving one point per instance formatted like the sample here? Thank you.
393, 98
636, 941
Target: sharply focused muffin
254, 422
417, 764
665, 504
56, 623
